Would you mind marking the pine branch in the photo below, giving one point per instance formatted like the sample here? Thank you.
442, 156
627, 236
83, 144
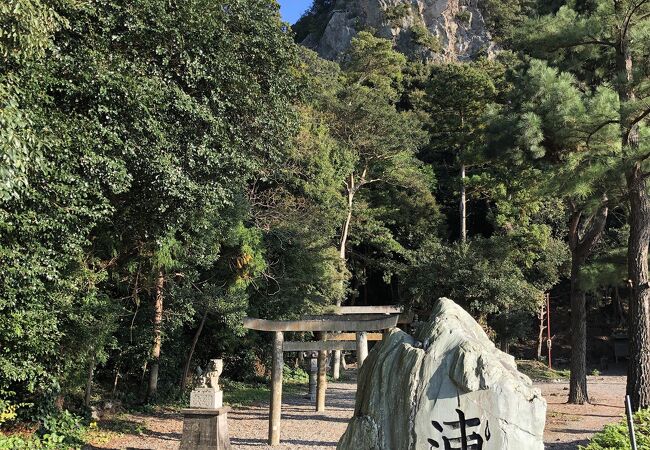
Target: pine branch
630, 15
588, 42
573, 226
600, 127
595, 230
643, 115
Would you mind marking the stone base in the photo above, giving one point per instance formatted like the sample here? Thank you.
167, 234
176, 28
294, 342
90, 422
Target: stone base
208, 398
205, 429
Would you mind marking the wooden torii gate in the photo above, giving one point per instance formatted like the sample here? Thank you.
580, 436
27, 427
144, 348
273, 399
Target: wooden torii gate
334, 332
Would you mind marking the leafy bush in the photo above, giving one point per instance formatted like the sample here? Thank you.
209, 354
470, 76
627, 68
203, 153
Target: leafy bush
7, 411
464, 16
395, 13
615, 436
63, 427
294, 375
59, 431
422, 36
17, 442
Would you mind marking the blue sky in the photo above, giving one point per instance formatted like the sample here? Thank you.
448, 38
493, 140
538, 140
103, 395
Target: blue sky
292, 9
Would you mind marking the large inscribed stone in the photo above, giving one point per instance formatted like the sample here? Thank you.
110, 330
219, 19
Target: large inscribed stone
447, 388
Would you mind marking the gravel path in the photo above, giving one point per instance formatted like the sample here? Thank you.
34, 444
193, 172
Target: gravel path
568, 426
303, 429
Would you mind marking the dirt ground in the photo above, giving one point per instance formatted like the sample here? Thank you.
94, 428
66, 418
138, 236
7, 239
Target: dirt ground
568, 426
303, 429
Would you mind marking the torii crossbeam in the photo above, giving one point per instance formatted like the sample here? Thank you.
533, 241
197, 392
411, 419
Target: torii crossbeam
359, 319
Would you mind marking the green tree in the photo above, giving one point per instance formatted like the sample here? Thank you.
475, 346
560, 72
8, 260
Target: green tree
515, 243
378, 140
373, 155
26, 31
27, 28
604, 44
549, 116
144, 181
457, 99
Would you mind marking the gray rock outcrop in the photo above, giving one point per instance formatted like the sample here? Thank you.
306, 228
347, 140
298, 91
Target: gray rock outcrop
446, 385
457, 27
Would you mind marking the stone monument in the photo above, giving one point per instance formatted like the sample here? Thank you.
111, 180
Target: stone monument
205, 422
446, 388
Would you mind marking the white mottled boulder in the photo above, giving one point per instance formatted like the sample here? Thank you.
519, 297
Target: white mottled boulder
447, 385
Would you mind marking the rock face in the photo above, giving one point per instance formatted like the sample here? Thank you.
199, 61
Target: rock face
448, 388
430, 30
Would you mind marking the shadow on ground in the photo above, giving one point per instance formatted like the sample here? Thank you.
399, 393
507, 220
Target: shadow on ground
573, 445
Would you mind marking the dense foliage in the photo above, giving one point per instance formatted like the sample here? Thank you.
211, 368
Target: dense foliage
148, 154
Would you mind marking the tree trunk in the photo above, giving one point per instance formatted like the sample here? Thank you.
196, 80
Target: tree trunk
638, 378
348, 218
188, 361
619, 308
89, 381
351, 188
463, 205
115, 381
578, 382
581, 248
365, 289
157, 337
542, 328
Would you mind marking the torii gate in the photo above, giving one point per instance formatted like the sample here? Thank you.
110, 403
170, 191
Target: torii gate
331, 330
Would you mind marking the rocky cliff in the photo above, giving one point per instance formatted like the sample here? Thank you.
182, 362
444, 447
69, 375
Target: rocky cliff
428, 30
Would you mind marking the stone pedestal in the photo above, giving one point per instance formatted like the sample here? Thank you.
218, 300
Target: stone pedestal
207, 397
205, 429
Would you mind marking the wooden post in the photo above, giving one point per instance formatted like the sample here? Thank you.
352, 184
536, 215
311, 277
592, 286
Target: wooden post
276, 389
313, 370
336, 364
362, 348
322, 378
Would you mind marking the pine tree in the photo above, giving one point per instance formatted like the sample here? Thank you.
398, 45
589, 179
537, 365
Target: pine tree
457, 98
604, 44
